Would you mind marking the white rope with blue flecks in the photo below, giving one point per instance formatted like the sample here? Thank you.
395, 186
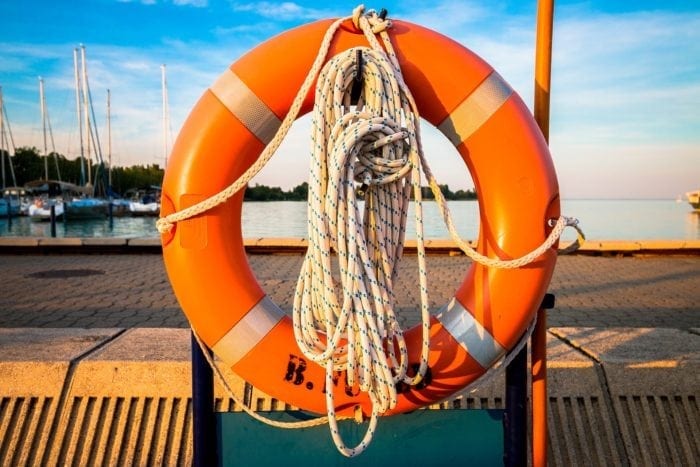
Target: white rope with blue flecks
377, 144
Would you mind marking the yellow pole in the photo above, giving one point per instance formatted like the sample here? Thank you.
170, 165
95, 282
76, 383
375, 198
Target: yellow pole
543, 68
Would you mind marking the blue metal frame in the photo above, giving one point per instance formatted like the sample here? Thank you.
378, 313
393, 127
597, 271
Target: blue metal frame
515, 421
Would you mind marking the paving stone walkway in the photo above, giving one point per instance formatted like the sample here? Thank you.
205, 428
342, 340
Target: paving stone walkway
89, 291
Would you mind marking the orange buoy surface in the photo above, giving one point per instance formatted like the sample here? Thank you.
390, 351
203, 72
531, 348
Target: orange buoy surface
457, 92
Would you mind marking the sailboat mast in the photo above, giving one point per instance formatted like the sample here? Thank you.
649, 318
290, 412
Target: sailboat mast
2, 140
79, 113
164, 88
87, 114
109, 137
9, 141
43, 124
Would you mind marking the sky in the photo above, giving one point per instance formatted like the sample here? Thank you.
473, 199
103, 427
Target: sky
625, 91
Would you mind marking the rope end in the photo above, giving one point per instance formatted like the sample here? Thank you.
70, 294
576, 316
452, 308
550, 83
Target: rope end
356, 14
359, 416
378, 22
164, 225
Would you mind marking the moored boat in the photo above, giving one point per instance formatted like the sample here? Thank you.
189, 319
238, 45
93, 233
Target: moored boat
9, 207
40, 210
146, 206
694, 199
86, 208
144, 202
19, 200
11, 201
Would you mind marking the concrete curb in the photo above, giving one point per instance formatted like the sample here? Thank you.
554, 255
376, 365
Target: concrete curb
109, 396
76, 245
106, 245
36, 367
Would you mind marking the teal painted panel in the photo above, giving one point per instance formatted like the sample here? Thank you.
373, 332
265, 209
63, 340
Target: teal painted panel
423, 437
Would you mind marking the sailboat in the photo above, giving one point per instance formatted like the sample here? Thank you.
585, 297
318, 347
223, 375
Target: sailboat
11, 201
86, 206
694, 199
48, 193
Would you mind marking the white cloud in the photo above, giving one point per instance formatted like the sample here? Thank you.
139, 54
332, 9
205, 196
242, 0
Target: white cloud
633, 77
450, 17
193, 3
248, 29
625, 90
284, 11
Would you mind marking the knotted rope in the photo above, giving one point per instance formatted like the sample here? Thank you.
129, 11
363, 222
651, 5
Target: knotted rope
374, 144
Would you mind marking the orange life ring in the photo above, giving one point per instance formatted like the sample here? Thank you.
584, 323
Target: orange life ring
454, 90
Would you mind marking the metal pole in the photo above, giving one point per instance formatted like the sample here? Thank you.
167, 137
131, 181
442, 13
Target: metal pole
109, 137
9, 212
109, 156
52, 210
42, 102
543, 73
166, 122
86, 121
203, 429
515, 418
543, 63
2, 142
79, 113
538, 358
3, 152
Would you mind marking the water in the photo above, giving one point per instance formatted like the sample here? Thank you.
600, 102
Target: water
600, 220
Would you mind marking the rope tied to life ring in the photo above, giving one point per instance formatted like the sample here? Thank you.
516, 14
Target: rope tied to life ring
374, 142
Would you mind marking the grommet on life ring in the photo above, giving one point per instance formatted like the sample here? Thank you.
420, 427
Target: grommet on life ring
470, 104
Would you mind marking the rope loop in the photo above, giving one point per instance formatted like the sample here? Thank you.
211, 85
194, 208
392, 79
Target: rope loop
580, 237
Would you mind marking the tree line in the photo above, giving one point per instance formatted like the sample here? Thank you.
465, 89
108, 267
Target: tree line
28, 165
300, 193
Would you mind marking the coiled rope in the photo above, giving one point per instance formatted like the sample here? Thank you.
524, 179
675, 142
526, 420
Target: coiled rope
375, 142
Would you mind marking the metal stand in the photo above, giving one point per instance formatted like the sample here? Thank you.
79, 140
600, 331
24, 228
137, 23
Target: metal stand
207, 445
204, 443
515, 420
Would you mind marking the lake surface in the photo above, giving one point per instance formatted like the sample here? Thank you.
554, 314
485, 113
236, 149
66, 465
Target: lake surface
599, 219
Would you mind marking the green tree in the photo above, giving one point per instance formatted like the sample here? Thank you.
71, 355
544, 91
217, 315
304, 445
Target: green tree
28, 165
300, 192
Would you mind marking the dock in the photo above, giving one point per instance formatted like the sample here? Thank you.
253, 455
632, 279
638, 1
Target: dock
95, 351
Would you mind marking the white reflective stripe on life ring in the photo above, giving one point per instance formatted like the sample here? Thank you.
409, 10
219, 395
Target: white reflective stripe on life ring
246, 106
476, 109
470, 334
249, 331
